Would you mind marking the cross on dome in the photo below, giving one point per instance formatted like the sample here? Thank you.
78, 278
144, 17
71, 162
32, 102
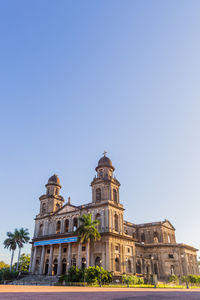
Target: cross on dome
104, 153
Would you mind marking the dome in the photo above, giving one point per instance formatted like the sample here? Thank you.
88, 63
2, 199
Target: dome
54, 180
105, 162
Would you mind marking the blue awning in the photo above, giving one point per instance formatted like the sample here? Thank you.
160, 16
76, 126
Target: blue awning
57, 241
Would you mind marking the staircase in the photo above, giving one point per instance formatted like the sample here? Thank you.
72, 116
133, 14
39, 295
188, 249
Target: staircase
36, 280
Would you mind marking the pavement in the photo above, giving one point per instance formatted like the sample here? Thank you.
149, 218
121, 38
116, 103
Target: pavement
12, 292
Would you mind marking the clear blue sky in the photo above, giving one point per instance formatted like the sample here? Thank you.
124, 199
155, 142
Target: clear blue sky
81, 77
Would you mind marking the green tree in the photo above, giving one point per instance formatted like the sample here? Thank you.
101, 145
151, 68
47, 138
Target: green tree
3, 265
87, 232
24, 262
22, 237
11, 244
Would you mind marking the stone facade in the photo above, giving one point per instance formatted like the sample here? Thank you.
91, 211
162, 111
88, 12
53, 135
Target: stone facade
124, 247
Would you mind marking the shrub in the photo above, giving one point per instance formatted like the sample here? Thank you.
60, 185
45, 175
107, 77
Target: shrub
6, 274
132, 279
173, 279
91, 274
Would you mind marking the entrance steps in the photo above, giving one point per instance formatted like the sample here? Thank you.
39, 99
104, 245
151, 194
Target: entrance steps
36, 280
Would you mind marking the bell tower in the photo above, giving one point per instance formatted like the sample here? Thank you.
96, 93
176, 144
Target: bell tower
51, 201
105, 187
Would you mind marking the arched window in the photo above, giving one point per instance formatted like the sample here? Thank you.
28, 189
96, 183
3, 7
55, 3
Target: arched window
66, 225
143, 237
57, 206
114, 195
55, 266
117, 264
75, 224
98, 261
155, 268
58, 226
98, 217
133, 235
138, 267
98, 195
155, 237
83, 263
40, 229
116, 222
129, 266
43, 208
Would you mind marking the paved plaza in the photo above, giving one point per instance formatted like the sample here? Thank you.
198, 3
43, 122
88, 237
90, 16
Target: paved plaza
67, 293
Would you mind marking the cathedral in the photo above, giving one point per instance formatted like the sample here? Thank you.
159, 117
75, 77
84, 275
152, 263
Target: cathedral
124, 247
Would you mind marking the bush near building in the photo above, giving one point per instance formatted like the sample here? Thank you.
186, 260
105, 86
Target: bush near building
132, 279
173, 279
191, 278
91, 275
6, 274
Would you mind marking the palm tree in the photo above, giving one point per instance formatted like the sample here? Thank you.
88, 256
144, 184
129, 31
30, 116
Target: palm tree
87, 232
10, 243
22, 237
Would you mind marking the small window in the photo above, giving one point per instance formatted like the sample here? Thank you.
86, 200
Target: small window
64, 250
98, 195
48, 251
114, 195
116, 222
117, 248
83, 248
75, 224
58, 227
171, 256
128, 249
143, 238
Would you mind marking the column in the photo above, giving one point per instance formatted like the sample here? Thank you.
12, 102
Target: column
104, 256
42, 260
50, 260
31, 261
87, 255
102, 221
122, 260
106, 221
79, 255
108, 266
109, 223
59, 259
34, 259
69, 254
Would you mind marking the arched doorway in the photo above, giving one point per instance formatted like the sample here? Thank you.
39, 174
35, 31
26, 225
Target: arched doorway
83, 263
73, 262
138, 267
98, 261
64, 265
129, 266
117, 264
155, 269
55, 266
46, 267
172, 271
